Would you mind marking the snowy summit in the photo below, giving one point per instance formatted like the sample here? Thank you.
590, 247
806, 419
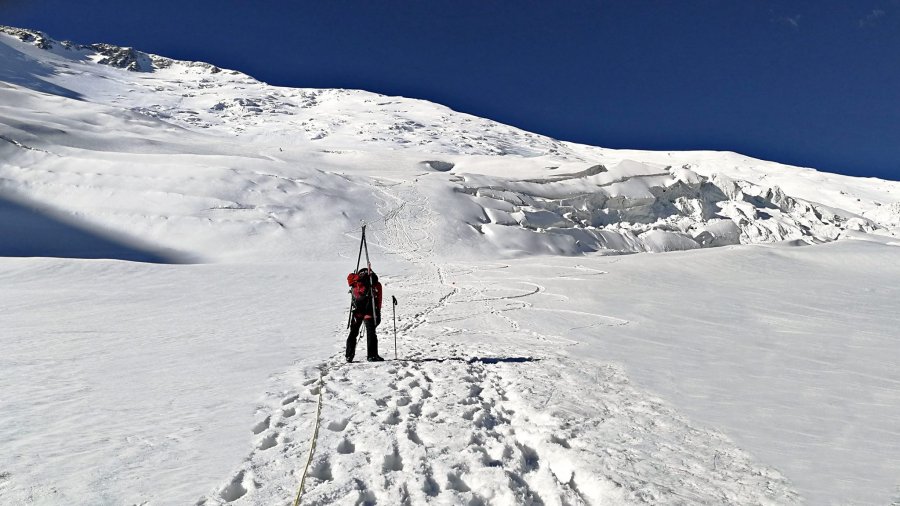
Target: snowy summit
576, 325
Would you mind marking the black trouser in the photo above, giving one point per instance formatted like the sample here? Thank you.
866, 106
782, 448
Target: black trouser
371, 338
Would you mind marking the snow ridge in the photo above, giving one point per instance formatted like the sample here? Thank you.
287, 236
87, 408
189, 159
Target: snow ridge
104, 54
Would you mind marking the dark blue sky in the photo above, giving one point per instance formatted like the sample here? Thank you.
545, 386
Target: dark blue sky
813, 83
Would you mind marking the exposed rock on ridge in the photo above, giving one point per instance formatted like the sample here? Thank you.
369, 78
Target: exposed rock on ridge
107, 54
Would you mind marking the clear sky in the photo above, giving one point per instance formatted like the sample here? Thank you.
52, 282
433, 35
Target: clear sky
807, 82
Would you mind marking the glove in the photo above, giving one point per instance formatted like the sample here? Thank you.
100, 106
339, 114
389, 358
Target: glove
377, 317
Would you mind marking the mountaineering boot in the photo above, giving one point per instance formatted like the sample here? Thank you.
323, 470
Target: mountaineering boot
376, 358
350, 350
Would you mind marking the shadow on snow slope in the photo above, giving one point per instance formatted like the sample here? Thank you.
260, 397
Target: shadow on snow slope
20, 69
28, 229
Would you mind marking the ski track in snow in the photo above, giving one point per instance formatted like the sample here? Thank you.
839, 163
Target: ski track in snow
451, 425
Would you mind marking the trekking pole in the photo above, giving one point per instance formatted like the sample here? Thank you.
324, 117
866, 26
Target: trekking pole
395, 325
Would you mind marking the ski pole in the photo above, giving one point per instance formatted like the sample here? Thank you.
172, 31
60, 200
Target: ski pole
395, 325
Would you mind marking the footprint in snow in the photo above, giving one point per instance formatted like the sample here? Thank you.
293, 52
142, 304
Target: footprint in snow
454, 482
235, 489
413, 436
346, 447
268, 441
392, 462
262, 425
321, 470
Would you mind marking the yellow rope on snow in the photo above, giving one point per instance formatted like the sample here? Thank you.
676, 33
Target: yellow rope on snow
312, 445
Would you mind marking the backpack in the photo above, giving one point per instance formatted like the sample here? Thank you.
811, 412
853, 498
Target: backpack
361, 284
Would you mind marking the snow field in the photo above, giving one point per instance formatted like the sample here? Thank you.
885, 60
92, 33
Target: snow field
124, 382
726, 375
471, 423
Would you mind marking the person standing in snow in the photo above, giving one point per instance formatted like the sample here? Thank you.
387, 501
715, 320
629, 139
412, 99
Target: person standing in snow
366, 292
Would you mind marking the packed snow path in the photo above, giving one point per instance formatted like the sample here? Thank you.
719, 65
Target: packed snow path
483, 424
448, 425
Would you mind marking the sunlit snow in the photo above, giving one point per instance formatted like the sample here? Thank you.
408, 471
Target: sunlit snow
577, 325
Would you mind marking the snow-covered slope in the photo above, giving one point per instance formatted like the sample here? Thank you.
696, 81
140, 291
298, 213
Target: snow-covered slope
510, 191
172, 234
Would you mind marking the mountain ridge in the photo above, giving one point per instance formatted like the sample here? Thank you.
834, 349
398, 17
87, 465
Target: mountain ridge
512, 191
122, 57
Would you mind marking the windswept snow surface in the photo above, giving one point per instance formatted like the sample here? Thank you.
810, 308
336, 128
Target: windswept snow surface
173, 243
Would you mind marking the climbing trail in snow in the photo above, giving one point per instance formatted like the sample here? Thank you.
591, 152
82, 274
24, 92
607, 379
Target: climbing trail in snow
479, 409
